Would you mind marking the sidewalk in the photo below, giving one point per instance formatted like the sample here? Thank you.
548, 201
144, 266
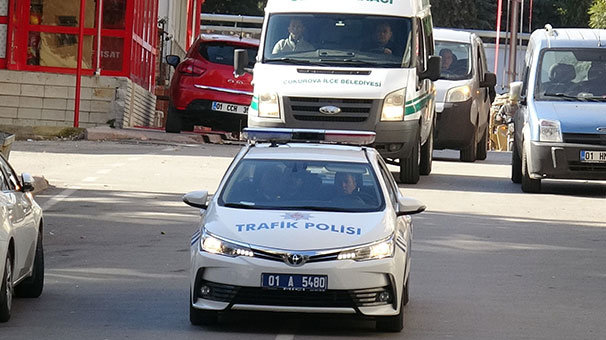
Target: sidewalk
157, 135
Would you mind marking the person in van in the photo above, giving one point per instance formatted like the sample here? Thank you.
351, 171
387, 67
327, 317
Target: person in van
382, 41
448, 58
295, 41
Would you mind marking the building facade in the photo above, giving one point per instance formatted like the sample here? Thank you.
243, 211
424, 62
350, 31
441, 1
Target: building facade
40, 41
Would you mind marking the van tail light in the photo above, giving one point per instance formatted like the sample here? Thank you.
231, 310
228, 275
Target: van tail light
188, 68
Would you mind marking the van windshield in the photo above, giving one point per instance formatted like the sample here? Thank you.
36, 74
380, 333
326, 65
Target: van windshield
572, 75
338, 40
455, 60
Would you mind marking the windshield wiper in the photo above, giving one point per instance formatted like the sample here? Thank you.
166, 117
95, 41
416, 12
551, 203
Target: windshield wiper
562, 95
241, 205
294, 61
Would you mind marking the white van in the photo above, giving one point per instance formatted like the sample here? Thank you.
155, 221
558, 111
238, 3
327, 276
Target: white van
464, 94
350, 65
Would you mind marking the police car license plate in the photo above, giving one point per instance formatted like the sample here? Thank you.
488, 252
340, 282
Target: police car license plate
593, 156
295, 282
232, 108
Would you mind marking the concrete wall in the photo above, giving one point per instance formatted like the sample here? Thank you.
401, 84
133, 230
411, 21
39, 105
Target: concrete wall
47, 99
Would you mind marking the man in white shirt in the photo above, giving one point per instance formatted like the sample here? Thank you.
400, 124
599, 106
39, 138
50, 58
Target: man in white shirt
294, 42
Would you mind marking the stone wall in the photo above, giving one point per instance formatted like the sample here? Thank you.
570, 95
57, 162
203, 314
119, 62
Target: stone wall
47, 99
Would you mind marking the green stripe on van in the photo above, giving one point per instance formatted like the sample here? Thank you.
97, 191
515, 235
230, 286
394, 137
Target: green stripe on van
417, 104
254, 104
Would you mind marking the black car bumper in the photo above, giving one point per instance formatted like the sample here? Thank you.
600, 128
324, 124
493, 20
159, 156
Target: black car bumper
454, 128
563, 161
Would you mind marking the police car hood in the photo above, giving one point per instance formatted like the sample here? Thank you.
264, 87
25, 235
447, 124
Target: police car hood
574, 117
298, 230
331, 82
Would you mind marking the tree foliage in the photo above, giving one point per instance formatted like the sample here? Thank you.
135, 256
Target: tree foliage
236, 7
597, 14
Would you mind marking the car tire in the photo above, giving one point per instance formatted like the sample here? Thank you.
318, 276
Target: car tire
409, 167
468, 153
482, 151
6, 290
394, 323
187, 125
529, 185
427, 156
173, 120
32, 287
516, 165
199, 317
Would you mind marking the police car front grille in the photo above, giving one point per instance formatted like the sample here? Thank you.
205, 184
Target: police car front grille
275, 297
271, 297
280, 256
579, 166
585, 138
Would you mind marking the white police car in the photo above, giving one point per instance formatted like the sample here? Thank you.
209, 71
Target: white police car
303, 227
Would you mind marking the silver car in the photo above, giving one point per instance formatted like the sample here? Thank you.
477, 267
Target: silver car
21, 253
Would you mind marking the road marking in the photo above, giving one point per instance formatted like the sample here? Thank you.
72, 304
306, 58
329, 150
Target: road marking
104, 171
117, 165
90, 179
57, 198
285, 337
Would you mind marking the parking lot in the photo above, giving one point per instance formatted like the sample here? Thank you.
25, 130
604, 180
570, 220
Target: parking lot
489, 262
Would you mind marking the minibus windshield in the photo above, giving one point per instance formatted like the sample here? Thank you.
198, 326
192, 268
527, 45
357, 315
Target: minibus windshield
338, 40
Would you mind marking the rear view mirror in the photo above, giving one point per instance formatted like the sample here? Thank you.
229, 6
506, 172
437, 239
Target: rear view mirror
173, 60
490, 80
241, 62
196, 199
433, 68
410, 206
28, 182
515, 90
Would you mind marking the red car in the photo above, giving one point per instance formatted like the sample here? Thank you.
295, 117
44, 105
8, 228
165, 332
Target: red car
204, 91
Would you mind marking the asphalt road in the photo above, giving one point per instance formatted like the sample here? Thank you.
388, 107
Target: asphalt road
489, 262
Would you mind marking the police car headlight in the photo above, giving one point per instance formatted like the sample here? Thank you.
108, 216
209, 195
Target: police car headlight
393, 106
268, 105
458, 94
373, 251
550, 131
214, 245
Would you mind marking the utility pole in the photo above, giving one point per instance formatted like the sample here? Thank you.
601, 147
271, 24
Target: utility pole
513, 45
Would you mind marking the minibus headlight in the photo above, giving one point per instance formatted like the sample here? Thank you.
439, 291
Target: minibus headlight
458, 94
393, 106
550, 131
268, 105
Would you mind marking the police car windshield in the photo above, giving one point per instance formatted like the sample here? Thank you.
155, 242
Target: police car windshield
302, 185
350, 40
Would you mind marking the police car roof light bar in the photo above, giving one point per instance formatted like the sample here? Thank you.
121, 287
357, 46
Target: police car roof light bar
285, 135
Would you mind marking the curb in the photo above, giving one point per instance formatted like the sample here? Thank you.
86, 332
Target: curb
107, 133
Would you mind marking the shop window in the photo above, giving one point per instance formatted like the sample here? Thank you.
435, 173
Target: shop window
112, 50
114, 14
61, 50
61, 13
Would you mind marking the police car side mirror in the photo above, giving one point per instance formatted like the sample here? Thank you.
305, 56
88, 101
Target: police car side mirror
409, 206
241, 62
196, 199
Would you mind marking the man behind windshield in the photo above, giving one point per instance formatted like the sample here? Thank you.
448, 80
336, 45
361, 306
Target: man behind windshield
295, 41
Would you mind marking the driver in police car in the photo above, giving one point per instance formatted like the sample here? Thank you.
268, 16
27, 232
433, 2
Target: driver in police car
347, 188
